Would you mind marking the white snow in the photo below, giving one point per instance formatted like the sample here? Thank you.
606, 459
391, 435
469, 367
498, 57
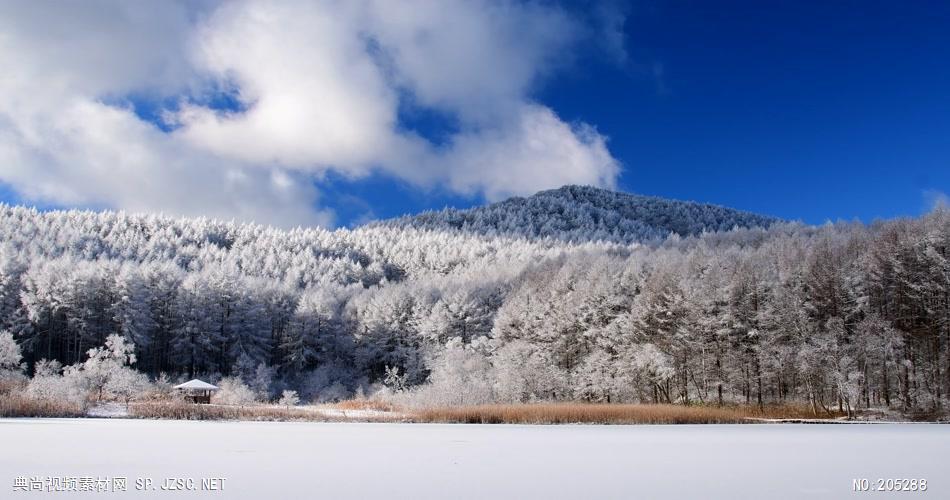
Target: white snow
320, 460
198, 385
357, 414
338, 414
108, 410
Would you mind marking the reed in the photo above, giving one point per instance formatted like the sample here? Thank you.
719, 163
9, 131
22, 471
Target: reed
21, 405
178, 410
579, 413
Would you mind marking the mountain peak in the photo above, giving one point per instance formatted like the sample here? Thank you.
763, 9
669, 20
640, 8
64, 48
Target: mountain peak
583, 213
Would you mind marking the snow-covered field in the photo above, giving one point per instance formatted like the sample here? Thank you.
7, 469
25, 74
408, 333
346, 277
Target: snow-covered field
331, 460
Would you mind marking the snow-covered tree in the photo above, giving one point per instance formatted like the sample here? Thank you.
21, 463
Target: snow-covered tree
127, 384
581, 294
51, 382
460, 376
262, 382
11, 358
289, 398
232, 391
106, 362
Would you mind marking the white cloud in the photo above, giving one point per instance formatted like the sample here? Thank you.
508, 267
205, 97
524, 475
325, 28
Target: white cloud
315, 97
475, 58
534, 152
322, 84
935, 199
91, 154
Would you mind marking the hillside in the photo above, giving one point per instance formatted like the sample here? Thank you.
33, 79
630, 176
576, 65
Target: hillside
584, 213
791, 313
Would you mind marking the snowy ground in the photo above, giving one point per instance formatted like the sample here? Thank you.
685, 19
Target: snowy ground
334, 460
108, 410
336, 413
119, 410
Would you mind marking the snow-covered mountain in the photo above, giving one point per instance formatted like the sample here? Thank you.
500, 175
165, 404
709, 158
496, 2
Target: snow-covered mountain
788, 313
583, 213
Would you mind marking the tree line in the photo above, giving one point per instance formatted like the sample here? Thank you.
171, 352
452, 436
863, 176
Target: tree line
842, 315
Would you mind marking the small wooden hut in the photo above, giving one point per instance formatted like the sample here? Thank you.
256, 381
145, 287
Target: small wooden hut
197, 391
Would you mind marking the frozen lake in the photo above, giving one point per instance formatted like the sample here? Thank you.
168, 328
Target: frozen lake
348, 460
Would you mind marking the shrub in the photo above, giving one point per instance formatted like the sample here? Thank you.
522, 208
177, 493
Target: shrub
161, 389
289, 398
10, 355
49, 385
232, 391
126, 384
326, 383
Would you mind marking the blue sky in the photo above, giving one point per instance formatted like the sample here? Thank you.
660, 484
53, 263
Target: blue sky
309, 113
810, 110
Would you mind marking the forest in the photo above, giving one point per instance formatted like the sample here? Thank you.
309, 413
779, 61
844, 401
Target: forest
842, 315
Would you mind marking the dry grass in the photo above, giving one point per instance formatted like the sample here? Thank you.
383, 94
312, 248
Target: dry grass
17, 404
364, 404
548, 413
21, 405
177, 410
572, 413
575, 413
10, 386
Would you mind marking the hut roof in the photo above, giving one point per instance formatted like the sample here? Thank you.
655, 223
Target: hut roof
197, 384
